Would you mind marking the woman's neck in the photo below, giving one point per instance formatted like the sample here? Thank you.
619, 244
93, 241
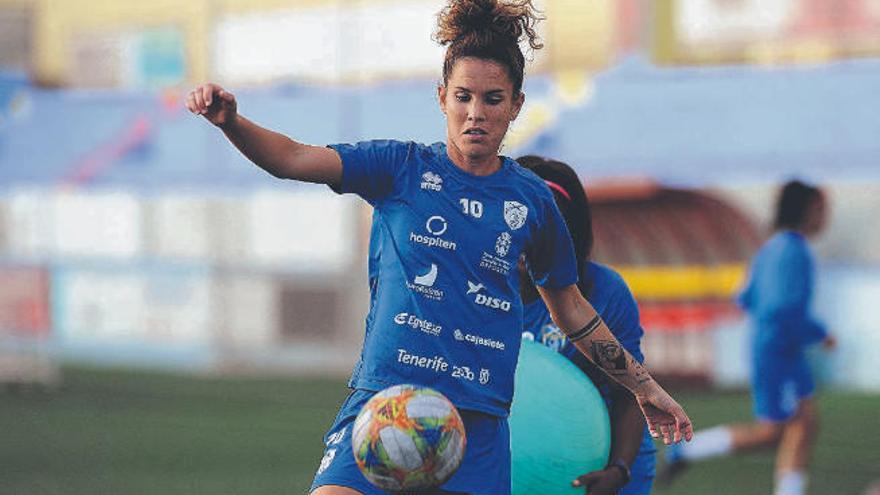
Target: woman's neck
474, 165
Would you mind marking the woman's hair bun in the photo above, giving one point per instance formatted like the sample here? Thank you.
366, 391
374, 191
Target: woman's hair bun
507, 21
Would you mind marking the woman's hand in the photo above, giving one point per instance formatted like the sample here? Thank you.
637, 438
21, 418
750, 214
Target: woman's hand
606, 481
666, 419
213, 102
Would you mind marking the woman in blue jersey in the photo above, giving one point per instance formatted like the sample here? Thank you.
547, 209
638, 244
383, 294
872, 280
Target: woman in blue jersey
630, 468
777, 298
450, 221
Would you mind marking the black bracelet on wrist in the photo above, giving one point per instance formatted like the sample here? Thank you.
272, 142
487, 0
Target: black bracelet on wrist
623, 467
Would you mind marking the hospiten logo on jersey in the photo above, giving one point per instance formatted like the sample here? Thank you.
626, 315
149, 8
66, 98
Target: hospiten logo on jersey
515, 214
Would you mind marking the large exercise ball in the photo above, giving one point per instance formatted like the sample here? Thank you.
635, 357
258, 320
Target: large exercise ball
559, 425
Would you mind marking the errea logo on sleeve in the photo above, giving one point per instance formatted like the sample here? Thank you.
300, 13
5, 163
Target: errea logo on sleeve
432, 182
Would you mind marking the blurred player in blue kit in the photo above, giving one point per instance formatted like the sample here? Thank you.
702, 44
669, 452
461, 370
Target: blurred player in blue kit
630, 469
777, 298
450, 221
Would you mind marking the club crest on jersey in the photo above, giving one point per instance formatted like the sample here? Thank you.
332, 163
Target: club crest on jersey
432, 181
515, 214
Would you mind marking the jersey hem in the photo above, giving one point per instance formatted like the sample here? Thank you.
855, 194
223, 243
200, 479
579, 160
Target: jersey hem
468, 405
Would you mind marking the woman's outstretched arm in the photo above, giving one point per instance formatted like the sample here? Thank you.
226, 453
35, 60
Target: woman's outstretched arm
275, 153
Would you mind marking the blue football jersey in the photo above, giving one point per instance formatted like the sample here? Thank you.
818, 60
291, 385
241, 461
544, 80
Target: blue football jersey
614, 302
445, 310
779, 294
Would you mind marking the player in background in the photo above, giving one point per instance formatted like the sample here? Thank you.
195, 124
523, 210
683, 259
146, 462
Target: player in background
777, 298
631, 463
448, 219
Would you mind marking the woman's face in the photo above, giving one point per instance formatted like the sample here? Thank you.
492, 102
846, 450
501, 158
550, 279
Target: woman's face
817, 216
479, 104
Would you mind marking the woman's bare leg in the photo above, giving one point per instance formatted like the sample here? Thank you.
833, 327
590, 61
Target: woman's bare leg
335, 490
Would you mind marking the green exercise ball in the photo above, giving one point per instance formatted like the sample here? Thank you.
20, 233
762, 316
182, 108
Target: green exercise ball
559, 425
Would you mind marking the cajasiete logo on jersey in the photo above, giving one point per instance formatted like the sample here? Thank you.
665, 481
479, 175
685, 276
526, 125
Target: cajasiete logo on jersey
432, 181
515, 214
484, 300
424, 284
436, 226
417, 323
477, 340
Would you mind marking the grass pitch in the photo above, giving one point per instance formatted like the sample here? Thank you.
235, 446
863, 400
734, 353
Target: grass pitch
125, 432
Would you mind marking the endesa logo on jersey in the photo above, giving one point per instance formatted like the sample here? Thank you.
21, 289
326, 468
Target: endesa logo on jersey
417, 323
487, 301
432, 182
424, 284
436, 226
477, 340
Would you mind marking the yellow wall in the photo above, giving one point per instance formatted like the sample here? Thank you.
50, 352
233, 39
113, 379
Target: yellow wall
578, 32
684, 283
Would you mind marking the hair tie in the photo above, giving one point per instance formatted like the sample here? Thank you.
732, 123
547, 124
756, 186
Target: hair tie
556, 187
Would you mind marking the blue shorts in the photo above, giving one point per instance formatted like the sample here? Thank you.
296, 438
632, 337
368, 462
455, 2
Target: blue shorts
485, 469
639, 484
779, 384
642, 478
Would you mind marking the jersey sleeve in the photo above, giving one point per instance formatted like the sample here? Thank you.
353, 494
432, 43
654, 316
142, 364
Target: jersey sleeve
550, 256
371, 168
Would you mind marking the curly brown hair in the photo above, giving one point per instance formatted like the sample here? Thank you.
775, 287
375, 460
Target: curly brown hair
489, 30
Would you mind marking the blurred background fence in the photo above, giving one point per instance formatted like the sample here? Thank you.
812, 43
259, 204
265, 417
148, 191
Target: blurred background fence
131, 233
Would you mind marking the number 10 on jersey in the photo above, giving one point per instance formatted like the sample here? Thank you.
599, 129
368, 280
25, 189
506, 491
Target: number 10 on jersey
471, 207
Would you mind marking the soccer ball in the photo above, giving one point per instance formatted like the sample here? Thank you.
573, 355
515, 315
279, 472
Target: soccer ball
408, 438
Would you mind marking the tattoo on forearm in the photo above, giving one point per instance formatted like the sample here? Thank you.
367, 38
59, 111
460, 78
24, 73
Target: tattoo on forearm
641, 374
587, 330
609, 356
